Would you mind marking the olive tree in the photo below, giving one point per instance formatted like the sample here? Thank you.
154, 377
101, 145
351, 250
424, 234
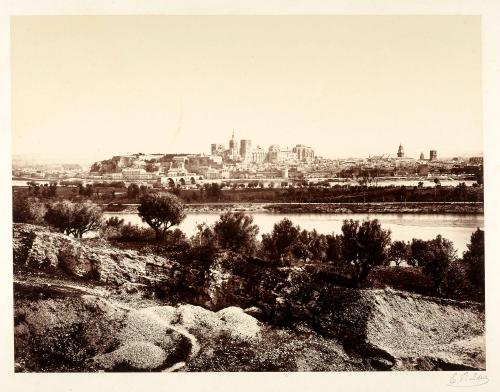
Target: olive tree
438, 256
399, 251
74, 218
474, 259
364, 246
27, 209
161, 212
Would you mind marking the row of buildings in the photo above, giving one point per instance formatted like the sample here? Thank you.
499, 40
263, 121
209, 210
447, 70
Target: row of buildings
242, 151
432, 154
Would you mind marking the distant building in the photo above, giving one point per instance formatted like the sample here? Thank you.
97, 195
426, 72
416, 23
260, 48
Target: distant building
304, 153
137, 174
401, 152
423, 170
433, 155
276, 155
422, 157
476, 160
217, 148
245, 148
234, 148
258, 155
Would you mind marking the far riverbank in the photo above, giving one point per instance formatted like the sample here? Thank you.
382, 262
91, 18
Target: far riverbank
325, 208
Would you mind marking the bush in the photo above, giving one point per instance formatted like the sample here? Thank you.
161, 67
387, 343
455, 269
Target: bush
279, 244
130, 232
27, 209
235, 231
455, 282
74, 218
112, 228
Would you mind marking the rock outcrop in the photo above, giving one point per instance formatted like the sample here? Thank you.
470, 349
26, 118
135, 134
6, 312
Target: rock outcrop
38, 248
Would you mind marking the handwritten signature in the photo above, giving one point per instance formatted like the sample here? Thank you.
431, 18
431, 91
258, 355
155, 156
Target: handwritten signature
467, 379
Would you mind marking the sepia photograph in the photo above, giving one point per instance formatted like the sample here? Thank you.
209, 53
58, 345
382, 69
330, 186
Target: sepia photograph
247, 193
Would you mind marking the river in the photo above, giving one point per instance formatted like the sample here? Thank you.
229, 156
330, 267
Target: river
456, 228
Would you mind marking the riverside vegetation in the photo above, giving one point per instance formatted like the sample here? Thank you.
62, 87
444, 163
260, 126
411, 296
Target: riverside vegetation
347, 298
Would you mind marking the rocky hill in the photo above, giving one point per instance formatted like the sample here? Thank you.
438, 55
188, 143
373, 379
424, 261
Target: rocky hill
83, 306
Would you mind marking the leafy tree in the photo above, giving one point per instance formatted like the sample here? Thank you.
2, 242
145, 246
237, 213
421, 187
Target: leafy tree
204, 245
74, 218
87, 190
161, 212
235, 231
301, 247
310, 245
52, 191
438, 256
151, 167
133, 191
364, 246
333, 248
399, 251
27, 209
281, 240
418, 252
474, 259
317, 246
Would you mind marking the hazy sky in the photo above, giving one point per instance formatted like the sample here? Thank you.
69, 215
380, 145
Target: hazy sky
95, 86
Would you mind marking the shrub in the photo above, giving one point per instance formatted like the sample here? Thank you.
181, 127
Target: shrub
112, 228
455, 282
235, 231
130, 232
279, 243
74, 218
27, 209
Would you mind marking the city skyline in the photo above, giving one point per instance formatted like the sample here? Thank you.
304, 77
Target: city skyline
348, 86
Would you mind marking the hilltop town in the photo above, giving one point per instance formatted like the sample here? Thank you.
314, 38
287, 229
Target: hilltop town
242, 163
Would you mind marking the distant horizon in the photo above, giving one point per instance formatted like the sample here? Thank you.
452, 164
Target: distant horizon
45, 159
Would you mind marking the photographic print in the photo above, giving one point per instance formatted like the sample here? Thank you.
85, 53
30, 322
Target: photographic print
247, 193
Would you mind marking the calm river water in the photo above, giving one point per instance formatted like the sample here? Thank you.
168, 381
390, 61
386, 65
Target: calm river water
456, 228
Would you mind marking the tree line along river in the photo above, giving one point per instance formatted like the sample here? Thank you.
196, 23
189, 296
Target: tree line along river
455, 227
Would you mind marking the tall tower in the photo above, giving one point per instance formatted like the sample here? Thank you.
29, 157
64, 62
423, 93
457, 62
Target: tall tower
422, 156
433, 155
401, 152
234, 149
245, 147
232, 142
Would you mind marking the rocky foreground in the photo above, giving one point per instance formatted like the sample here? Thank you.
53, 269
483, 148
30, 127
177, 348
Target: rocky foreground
91, 307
